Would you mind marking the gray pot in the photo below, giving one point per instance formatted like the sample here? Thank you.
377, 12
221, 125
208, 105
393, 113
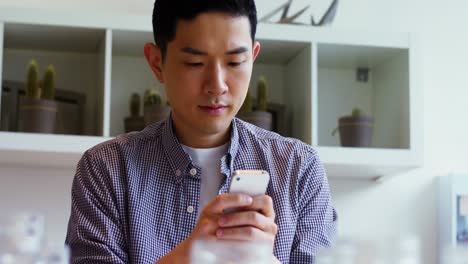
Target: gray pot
134, 123
155, 113
356, 131
259, 118
37, 115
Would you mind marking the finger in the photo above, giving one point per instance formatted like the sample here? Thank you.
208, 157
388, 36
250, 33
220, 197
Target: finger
244, 233
248, 218
262, 204
228, 200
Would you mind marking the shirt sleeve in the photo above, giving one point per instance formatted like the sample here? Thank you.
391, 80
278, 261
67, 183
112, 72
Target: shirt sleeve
317, 221
94, 230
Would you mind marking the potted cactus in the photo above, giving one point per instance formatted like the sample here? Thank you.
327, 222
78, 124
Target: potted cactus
155, 109
38, 109
134, 122
260, 115
355, 130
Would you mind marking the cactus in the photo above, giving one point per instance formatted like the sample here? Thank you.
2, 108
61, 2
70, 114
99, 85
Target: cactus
247, 105
32, 82
152, 97
262, 100
357, 112
135, 102
48, 84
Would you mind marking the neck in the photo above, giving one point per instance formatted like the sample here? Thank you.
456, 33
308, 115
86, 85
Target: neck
196, 139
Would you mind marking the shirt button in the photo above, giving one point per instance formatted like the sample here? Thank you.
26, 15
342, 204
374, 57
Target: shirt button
178, 173
190, 209
193, 172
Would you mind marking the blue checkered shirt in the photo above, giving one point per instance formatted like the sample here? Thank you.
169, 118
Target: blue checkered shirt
134, 198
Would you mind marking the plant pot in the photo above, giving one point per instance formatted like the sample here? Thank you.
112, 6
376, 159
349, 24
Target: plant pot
155, 113
259, 118
37, 115
356, 131
134, 123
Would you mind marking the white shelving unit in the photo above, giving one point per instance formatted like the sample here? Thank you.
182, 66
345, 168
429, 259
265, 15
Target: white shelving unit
309, 70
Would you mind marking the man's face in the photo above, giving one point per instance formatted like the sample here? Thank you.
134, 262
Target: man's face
206, 72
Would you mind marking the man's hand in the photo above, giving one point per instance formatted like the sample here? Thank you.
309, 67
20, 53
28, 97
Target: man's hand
253, 221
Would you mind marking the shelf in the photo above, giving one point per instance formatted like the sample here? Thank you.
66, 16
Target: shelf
287, 66
43, 150
366, 163
63, 151
71, 50
310, 71
130, 74
384, 94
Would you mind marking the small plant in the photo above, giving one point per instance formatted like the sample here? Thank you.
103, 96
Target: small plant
152, 97
135, 103
357, 112
32, 83
257, 115
262, 98
36, 88
247, 106
48, 84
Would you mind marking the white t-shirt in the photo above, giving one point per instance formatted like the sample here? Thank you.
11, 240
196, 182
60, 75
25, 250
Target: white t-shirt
208, 159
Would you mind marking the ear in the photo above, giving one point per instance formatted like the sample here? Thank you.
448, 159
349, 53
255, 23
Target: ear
255, 49
154, 57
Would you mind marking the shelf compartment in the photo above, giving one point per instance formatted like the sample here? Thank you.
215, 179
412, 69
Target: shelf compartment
385, 95
77, 55
130, 74
287, 66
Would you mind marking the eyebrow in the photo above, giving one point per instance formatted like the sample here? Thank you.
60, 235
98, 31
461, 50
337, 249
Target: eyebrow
194, 51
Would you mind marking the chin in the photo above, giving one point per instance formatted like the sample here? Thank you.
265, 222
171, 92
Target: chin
215, 127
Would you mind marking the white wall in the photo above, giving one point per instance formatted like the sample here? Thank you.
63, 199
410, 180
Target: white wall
407, 202
44, 192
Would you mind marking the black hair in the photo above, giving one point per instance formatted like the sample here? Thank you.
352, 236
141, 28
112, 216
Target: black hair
167, 13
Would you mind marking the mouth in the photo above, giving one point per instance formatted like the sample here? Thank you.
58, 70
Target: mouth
214, 109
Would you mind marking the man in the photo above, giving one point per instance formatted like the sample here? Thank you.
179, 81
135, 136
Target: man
145, 197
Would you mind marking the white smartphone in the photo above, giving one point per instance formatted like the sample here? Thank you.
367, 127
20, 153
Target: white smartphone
250, 182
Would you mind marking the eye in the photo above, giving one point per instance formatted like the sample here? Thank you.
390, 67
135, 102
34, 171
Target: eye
193, 64
235, 64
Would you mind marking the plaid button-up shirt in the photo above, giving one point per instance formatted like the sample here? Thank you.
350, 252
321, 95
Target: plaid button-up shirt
135, 198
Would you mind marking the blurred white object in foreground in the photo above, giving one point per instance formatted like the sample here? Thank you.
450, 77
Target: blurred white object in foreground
401, 250
231, 252
455, 255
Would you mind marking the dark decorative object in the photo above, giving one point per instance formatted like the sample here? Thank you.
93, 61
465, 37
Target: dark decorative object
155, 109
329, 15
362, 74
39, 109
260, 116
135, 122
355, 130
70, 109
326, 19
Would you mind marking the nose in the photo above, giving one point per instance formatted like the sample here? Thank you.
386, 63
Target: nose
215, 81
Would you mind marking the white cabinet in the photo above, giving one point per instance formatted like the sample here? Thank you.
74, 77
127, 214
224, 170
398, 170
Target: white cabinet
311, 71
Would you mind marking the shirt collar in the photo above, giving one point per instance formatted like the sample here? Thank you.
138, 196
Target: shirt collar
180, 161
